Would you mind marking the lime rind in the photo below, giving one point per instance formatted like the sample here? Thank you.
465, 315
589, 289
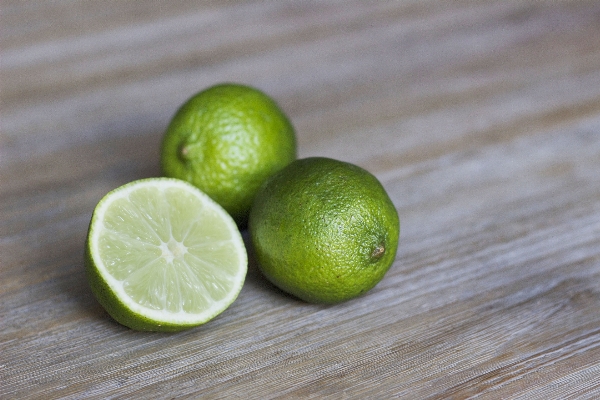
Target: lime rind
161, 255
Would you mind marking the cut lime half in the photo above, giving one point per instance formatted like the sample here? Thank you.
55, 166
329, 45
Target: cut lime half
162, 256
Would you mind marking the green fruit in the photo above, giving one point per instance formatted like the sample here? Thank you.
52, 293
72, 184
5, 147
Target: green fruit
162, 256
324, 230
226, 140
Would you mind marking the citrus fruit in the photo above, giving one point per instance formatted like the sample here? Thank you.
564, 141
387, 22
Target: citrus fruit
324, 230
227, 140
162, 256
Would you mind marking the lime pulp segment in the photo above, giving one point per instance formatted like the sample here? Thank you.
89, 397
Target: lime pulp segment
167, 251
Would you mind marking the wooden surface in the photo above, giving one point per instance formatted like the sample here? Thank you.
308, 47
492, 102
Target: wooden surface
481, 119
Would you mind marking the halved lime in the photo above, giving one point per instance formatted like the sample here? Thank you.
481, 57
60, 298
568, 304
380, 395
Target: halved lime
162, 256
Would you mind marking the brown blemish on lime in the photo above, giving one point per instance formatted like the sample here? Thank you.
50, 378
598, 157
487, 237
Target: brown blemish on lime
183, 151
378, 251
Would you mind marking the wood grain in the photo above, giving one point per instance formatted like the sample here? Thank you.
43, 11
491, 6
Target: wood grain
481, 119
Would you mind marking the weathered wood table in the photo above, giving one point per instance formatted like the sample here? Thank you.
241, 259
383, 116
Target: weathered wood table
481, 119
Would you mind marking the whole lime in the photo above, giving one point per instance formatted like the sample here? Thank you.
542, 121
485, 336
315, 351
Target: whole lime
226, 140
324, 230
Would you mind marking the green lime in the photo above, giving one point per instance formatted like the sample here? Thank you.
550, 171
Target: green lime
324, 230
227, 140
162, 256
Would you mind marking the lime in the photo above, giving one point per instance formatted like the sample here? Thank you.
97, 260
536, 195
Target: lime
162, 256
324, 230
227, 140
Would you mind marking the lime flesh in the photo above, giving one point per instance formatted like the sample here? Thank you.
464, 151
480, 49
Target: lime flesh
162, 256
